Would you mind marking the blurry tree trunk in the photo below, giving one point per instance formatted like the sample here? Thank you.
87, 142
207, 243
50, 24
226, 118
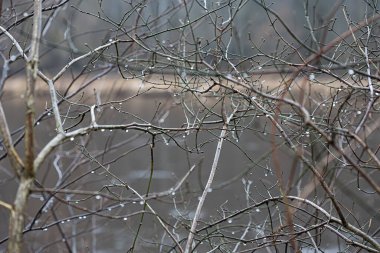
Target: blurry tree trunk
16, 222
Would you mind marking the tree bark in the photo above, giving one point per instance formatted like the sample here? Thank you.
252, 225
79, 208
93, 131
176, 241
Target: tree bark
16, 221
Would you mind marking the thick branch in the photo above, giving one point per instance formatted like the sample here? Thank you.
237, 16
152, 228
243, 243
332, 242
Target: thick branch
194, 224
15, 159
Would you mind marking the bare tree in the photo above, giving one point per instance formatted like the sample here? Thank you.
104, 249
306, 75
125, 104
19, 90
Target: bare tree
189, 126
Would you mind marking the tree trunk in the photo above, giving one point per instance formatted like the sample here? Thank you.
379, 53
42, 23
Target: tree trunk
16, 221
16, 224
